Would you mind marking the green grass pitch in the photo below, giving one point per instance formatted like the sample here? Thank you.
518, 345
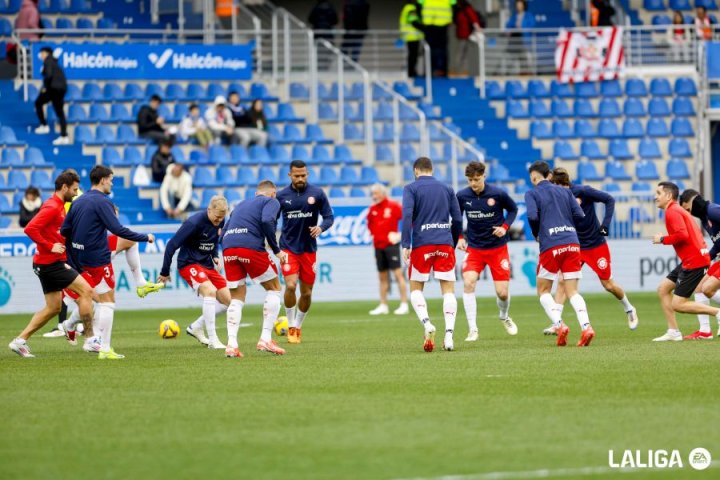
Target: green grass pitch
359, 399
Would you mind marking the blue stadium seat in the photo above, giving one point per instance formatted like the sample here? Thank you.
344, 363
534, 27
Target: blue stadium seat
634, 108
608, 129
245, 176
320, 154
126, 134
612, 188
586, 171
400, 87
658, 107
279, 154
564, 151
383, 153
260, 90
659, 20
238, 88
98, 113
610, 89
657, 127
218, 154
154, 89
224, 176
680, 5
586, 90
34, 156
196, 92
634, 87
41, 179
111, 157
584, 129
133, 91
175, 91
539, 109
349, 176
369, 175
233, 196
683, 107
660, 87
680, 148
536, 89
326, 112
540, 130
267, 173
609, 108
649, 149
5, 222
654, 5
384, 111
616, 171
73, 93
583, 108
352, 132
337, 192
178, 153
632, 128
5, 206
76, 113
203, 177
83, 134
358, 192
207, 197
259, 154
685, 87
106, 24
561, 109
291, 134
406, 113
298, 91
313, 176
199, 157
239, 154
80, 6
328, 176
493, 90
104, 134
133, 156
561, 129
342, 154
560, 90
119, 113
646, 170
216, 90
641, 187
708, 4
514, 89
677, 169
681, 127
286, 113
314, 133
17, 180
11, 157
619, 150
299, 152
516, 109
409, 132
407, 153
91, 92
591, 150
64, 23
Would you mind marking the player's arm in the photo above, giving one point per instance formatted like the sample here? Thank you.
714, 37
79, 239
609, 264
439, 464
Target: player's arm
35, 230
577, 212
111, 222
456, 222
676, 229
462, 242
713, 212
408, 207
269, 216
533, 214
509, 205
183, 233
66, 227
609, 201
326, 212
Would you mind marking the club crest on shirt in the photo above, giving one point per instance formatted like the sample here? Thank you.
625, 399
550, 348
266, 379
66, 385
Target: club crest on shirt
311, 200
387, 213
602, 263
491, 202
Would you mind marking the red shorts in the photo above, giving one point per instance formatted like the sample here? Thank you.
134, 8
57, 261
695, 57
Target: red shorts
195, 275
714, 270
598, 259
243, 262
102, 279
563, 259
112, 242
304, 265
498, 259
438, 258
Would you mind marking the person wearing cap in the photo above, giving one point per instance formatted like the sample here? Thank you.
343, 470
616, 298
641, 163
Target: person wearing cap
176, 190
220, 121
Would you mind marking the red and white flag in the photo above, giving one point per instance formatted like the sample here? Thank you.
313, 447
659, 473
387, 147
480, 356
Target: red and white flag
590, 56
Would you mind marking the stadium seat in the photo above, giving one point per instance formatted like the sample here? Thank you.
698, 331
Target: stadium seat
680, 5
83, 134
104, 134
586, 90
11, 157
560, 90
5, 222
616, 171
245, 176
583, 108
660, 87
634, 108
207, 197
199, 157
299, 152
683, 107
286, 113
609, 108
203, 177
409, 132
564, 151
352, 132
658, 107
608, 129
133, 92
383, 112
646, 170
407, 153
126, 134
342, 154
111, 157
279, 154
369, 175
584, 129
239, 154
677, 169
685, 87
536, 89
358, 192
326, 112
98, 113
349, 176
328, 176
654, 5
337, 192
80, 6
174, 91
154, 89
259, 154
610, 88
119, 113
260, 91
679, 147
91, 92
17, 180
641, 187
64, 23
216, 90
632, 128
540, 130
561, 129
5, 206
291, 134
619, 150
611, 188
314, 133
586, 171
539, 109
320, 154
658, 20
708, 4
515, 90
656, 127
34, 156
516, 109
267, 173
41, 179
224, 176
76, 113
561, 109
106, 24
233, 196
590, 150
219, 155
649, 149
635, 87
298, 91
681, 127
493, 90
383, 153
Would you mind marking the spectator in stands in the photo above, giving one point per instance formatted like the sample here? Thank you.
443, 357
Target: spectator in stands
220, 121
703, 24
161, 159
412, 35
53, 91
193, 127
224, 10
28, 18
323, 18
150, 124
246, 129
520, 45
679, 38
29, 205
259, 121
601, 13
176, 191
436, 18
467, 22
355, 21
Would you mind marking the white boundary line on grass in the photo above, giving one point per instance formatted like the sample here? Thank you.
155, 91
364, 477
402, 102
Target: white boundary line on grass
547, 473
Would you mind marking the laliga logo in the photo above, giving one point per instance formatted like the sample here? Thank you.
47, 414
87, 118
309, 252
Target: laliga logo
699, 459
160, 61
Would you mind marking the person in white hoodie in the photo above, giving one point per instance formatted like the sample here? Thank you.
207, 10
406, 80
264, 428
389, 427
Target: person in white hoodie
220, 121
176, 191
193, 126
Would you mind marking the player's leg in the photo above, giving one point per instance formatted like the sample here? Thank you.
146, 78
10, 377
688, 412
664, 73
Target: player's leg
381, 262
600, 261
271, 310
580, 307
419, 273
402, 288
208, 293
470, 279
307, 267
53, 301
447, 288
618, 292
710, 287
238, 294
106, 316
132, 257
704, 332
499, 263
665, 294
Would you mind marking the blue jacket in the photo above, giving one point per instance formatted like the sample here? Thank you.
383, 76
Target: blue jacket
300, 210
431, 215
588, 229
552, 212
484, 211
197, 238
251, 223
712, 225
86, 225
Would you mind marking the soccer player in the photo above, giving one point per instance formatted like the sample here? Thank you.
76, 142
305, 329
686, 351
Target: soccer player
594, 249
552, 212
486, 244
676, 289
49, 263
382, 223
85, 227
300, 204
252, 223
432, 224
197, 239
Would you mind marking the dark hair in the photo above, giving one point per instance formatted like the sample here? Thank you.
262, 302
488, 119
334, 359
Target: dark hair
424, 164
32, 191
99, 172
560, 176
47, 50
263, 184
297, 164
474, 168
541, 167
670, 188
68, 177
254, 102
703, 8
688, 195
233, 92
193, 106
155, 98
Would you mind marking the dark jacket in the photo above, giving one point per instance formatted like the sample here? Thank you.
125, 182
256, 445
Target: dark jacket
27, 214
355, 14
53, 75
147, 120
258, 119
240, 116
159, 165
605, 13
323, 16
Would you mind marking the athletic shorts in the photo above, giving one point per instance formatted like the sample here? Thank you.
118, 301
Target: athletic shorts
112, 242
54, 277
244, 262
686, 281
598, 258
714, 270
304, 265
563, 259
195, 275
498, 259
388, 258
438, 258
102, 279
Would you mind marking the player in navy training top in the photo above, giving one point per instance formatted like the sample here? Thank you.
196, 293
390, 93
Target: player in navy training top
552, 212
197, 239
709, 215
253, 223
300, 206
85, 229
594, 250
432, 224
486, 244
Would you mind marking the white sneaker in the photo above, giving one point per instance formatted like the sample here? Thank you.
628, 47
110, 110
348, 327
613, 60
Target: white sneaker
551, 330
42, 130
92, 345
216, 344
472, 336
61, 141
510, 326
448, 343
669, 337
403, 309
198, 335
21, 348
69, 333
381, 309
632, 319
55, 332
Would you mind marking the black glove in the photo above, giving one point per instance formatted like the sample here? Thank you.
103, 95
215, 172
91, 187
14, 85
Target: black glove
604, 231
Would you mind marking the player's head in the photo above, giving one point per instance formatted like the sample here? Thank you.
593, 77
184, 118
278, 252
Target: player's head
378, 192
423, 167
266, 188
475, 174
693, 202
101, 178
67, 184
45, 52
298, 174
560, 176
217, 210
539, 171
665, 193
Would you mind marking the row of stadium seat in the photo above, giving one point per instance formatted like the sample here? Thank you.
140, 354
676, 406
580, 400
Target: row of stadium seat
353, 91
6, 27
50, 6
644, 170
234, 196
18, 179
682, 5
618, 149
667, 20
606, 108
204, 176
606, 128
32, 157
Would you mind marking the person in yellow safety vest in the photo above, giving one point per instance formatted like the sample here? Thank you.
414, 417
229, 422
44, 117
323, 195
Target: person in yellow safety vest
437, 15
410, 29
224, 12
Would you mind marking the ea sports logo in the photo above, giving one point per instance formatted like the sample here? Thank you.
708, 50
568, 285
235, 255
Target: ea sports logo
504, 264
602, 263
491, 202
311, 200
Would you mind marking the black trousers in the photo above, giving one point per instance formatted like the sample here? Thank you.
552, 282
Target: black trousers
413, 50
437, 38
57, 98
352, 44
